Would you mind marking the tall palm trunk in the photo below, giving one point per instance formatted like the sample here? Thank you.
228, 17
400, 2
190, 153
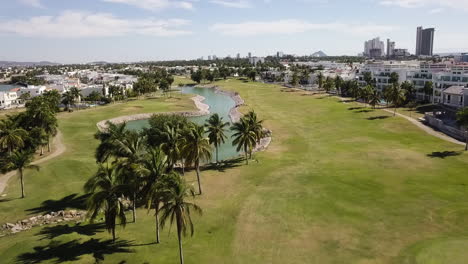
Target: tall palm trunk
179, 236
197, 165
394, 111
134, 207
466, 138
48, 144
246, 156
217, 160
22, 183
156, 214
113, 234
42, 150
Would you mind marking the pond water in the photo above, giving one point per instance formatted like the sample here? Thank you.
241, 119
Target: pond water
219, 103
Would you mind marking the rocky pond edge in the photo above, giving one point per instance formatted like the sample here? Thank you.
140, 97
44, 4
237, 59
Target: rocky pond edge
203, 110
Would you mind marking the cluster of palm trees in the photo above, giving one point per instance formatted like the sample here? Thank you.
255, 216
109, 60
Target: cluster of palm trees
69, 98
146, 168
23, 134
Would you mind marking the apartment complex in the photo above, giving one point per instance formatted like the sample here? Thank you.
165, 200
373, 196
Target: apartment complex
424, 41
374, 48
441, 75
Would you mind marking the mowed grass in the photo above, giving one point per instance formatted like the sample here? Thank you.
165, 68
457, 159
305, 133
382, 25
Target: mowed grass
339, 184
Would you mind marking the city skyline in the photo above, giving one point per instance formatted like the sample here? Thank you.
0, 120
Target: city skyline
129, 30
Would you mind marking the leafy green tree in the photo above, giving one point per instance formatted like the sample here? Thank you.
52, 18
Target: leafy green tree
252, 75
24, 97
177, 209
196, 149
216, 132
172, 143
106, 194
462, 119
94, 97
197, 76
21, 161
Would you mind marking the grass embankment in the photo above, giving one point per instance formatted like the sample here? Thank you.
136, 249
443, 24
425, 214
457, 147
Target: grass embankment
339, 184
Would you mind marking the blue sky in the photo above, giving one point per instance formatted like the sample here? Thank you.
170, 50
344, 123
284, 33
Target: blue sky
134, 30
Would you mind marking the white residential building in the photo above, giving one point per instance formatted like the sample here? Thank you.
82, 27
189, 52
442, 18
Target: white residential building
455, 96
32, 90
8, 99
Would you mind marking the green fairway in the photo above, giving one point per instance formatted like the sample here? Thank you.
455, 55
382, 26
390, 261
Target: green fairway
338, 184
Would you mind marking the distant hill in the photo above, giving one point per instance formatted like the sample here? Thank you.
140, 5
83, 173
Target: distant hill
319, 54
98, 63
28, 63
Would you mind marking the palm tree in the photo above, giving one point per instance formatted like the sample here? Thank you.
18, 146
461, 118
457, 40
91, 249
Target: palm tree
75, 92
255, 125
374, 98
397, 96
106, 194
244, 137
153, 168
177, 209
428, 90
68, 99
110, 138
462, 119
130, 152
21, 160
216, 128
11, 138
197, 148
173, 141
320, 79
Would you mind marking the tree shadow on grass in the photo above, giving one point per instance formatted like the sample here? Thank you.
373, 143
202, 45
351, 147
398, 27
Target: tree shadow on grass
377, 117
355, 108
444, 154
52, 232
364, 111
348, 101
73, 201
72, 250
224, 165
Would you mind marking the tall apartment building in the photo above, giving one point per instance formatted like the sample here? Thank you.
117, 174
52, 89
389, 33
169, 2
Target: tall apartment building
424, 41
374, 48
390, 48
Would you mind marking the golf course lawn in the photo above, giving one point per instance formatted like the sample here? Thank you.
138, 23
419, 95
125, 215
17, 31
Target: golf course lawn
338, 184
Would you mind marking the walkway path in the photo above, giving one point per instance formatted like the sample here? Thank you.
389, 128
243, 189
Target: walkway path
422, 126
58, 149
428, 129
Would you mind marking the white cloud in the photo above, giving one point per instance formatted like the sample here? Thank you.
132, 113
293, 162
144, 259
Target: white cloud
33, 3
292, 26
76, 24
463, 4
233, 3
154, 5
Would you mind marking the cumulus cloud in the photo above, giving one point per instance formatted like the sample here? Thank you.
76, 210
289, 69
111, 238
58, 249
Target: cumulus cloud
33, 3
463, 4
233, 3
292, 26
77, 24
154, 5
